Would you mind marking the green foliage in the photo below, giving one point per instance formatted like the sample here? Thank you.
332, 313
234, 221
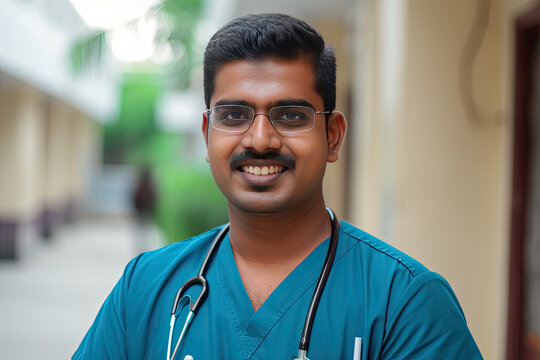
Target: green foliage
132, 136
87, 52
189, 203
182, 18
159, 148
177, 22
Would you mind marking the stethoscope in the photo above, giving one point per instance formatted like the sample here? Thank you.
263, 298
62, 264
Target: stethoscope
194, 306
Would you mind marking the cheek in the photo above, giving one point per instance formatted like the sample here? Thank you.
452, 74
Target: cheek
220, 148
313, 154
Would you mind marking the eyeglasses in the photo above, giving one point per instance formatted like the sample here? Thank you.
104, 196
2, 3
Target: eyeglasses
285, 119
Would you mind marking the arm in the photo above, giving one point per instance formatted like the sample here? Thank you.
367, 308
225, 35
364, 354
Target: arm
427, 323
106, 338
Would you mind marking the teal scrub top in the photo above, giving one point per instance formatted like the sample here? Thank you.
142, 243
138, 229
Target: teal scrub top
398, 308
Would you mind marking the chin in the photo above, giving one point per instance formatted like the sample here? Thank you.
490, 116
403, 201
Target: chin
259, 204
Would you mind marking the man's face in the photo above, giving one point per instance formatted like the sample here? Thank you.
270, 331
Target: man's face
262, 171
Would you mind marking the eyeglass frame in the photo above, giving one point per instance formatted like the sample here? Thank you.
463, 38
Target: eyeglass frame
315, 113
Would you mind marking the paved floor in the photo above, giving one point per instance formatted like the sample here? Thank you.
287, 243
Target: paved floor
50, 298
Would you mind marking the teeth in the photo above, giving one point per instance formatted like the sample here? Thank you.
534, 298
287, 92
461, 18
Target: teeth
262, 170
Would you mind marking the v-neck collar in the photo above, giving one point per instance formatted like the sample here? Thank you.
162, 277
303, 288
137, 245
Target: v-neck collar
252, 327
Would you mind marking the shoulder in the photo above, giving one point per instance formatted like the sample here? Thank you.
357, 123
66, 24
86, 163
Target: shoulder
415, 309
375, 252
386, 272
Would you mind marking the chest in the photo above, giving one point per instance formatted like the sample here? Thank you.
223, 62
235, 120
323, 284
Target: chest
227, 327
260, 283
220, 330
260, 279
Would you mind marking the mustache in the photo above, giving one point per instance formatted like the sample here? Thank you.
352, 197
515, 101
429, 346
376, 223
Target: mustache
253, 155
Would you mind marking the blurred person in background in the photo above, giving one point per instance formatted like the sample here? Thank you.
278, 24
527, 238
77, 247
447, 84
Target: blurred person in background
144, 202
286, 278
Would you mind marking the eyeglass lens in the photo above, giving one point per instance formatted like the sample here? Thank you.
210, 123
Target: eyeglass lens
285, 119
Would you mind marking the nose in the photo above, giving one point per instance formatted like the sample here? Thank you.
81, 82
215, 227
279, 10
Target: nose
261, 135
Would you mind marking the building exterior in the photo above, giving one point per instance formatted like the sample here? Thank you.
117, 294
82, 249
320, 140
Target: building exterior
49, 138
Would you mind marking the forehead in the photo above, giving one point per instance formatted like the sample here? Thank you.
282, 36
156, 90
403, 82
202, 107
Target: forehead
265, 82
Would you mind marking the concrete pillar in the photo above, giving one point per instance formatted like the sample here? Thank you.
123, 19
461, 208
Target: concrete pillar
21, 164
60, 142
84, 158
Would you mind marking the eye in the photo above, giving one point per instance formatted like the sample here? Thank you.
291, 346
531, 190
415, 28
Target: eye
234, 115
229, 117
291, 117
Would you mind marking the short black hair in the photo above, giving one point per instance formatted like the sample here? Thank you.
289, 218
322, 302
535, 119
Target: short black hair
265, 36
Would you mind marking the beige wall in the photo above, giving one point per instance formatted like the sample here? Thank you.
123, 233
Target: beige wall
21, 155
47, 151
85, 156
433, 180
59, 144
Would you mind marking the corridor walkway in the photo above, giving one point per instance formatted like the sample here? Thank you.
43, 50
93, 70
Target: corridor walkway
50, 298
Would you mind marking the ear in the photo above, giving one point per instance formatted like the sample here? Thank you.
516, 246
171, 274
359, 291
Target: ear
337, 127
205, 131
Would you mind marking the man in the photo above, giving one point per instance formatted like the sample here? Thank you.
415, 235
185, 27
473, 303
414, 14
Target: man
270, 129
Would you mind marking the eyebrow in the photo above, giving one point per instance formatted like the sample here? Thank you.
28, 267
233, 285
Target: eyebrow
284, 102
294, 102
232, 102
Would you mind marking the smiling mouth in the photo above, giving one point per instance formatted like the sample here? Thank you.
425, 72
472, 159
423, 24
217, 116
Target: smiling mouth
263, 170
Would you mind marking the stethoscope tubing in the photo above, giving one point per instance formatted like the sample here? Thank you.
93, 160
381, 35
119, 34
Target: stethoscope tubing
201, 280
328, 263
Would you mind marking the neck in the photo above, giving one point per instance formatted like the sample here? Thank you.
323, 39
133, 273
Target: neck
278, 239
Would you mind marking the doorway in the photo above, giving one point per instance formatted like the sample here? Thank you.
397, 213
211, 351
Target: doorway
524, 288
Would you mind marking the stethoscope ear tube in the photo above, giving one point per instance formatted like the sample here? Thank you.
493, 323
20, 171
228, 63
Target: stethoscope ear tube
328, 262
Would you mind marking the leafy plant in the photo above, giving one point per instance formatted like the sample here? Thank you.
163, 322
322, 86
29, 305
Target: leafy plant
88, 51
130, 137
176, 22
189, 203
